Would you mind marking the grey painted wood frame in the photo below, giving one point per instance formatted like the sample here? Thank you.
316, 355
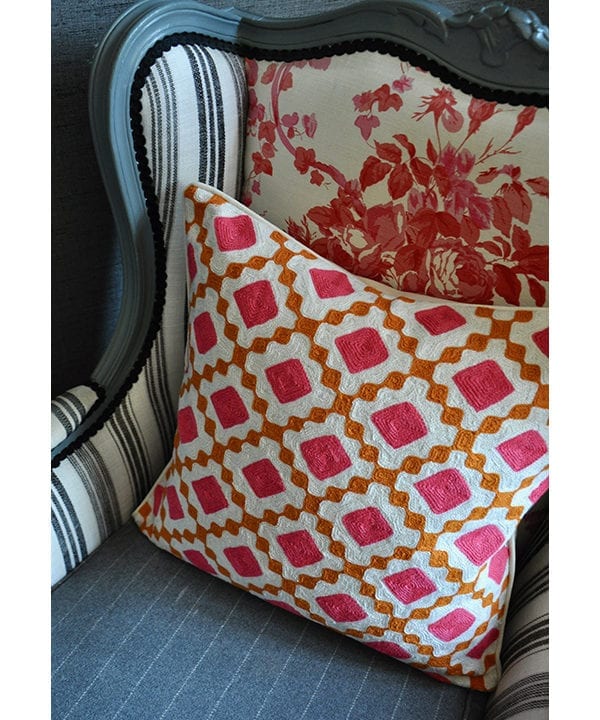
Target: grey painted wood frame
496, 48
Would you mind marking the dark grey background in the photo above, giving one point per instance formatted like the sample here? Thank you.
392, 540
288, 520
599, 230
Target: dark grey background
86, 278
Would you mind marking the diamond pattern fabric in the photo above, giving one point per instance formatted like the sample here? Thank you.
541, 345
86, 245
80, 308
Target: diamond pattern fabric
359, 456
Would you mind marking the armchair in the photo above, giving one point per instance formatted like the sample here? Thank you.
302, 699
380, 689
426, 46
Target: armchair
344, 131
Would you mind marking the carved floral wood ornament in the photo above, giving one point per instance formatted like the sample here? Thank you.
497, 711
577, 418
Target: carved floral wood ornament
435, 191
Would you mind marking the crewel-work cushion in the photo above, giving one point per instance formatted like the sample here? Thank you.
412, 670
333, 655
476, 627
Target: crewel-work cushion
401, 177
350, 453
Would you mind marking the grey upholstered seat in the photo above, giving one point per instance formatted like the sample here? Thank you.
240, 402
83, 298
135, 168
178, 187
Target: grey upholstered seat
141, 635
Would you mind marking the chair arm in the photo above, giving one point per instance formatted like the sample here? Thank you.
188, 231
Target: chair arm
523, 690
69, 409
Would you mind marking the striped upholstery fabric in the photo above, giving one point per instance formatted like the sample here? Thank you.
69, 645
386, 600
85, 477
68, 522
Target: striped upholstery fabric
523, 691
68, 410
140, 635
193, 116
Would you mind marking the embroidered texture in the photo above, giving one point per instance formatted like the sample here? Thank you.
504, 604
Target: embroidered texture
362, 460
457, 211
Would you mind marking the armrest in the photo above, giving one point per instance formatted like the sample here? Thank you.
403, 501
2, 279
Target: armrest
140, 91
69, 409
523, 690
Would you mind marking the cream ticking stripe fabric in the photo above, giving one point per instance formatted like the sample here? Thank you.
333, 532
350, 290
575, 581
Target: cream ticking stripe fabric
193, 117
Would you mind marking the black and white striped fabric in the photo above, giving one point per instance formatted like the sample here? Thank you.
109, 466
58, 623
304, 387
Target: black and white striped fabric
68, 410
523, 691
193, 120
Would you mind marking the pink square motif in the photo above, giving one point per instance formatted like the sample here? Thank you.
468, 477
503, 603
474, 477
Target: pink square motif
341, 608
234, 233
284, 606
367, 526
330, 283
191, 261
452, 625
410, 585
542, 340
263, 478
209, 494
440, 320
198, 559
478, 650
325, 456
300, 548
174, 504
483, 385
444, 490
204, 330
256, 303
389, 648
523, 450
497, 566
159, 493
288, 380
399, 424
186, 425
479, 545
536, 494
362, 349
229, 407
243, 561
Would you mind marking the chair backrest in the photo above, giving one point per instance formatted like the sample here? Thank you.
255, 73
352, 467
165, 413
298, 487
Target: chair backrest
342, 128
461, 95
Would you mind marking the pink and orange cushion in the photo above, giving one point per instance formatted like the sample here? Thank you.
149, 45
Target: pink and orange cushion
356, 455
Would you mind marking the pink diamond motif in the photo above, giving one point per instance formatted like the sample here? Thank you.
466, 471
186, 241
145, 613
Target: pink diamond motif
498, 564
330, 283
186, 425
362, 349
204, 330
209, 494
444, 490
452, 625
264, 478
367, 526
440, 320
288, 380
410, 585
300, 548
341, 608
243, 561
256, 303
159, 493
174, 504
483, 385
389, 648
198, 559
542, 340
284, 606
234, 233
523, 450
191, 261
478, 650
325, 456
400, 424
536, 494
479, 545
229, 407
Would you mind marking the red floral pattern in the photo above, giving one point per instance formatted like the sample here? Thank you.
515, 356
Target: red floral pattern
410, 182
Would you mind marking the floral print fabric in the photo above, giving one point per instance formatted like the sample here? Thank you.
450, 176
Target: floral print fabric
397, 176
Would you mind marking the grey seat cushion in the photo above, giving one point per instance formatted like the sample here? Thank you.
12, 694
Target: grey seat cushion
138, 634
